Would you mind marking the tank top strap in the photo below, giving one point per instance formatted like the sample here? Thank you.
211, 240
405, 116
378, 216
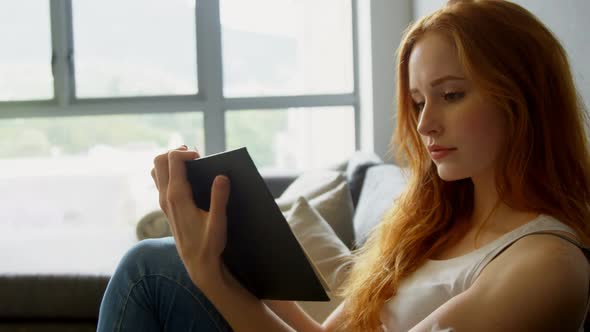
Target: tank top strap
585, 250
542, 224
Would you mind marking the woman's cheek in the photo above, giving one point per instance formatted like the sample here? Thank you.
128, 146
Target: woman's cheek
485, 129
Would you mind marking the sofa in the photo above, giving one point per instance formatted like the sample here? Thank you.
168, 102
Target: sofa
32, 301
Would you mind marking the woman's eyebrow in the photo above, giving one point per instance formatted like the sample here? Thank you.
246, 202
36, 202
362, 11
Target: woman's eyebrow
439, 81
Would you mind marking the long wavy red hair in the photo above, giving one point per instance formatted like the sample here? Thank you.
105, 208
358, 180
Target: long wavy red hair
521, 66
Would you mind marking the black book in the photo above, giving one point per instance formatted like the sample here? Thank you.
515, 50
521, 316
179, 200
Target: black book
261, 250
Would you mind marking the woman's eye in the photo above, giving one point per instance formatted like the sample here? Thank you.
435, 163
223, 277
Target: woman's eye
452, 96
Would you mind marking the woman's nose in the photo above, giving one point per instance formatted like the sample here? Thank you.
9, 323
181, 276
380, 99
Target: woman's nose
428, 122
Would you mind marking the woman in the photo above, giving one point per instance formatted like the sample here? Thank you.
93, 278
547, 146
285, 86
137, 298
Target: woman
492, 132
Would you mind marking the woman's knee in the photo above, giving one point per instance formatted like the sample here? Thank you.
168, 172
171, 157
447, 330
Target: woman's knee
151, 256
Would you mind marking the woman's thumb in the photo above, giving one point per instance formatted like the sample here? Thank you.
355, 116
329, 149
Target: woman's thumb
219, 195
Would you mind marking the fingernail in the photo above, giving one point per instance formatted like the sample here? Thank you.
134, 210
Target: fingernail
221, 179
183, 147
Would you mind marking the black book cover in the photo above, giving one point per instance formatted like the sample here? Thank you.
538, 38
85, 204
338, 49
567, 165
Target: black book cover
261, 251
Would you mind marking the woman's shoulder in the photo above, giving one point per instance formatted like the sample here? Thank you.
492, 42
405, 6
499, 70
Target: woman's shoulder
539, 280
543, 257
545, 247
542, 224
548, 243
536, 276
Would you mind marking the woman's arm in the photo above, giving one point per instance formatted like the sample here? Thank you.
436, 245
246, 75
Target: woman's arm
292, 313
200, 238
540, 283
244, 311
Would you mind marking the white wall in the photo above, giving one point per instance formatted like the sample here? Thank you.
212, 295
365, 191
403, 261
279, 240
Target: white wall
568, 19
380, 26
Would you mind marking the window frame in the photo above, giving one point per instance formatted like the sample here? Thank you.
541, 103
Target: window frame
209, 99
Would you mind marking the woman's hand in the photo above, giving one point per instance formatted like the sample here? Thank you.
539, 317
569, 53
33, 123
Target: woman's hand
200, 236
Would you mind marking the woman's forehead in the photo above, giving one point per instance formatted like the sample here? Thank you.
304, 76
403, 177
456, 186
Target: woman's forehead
433, 56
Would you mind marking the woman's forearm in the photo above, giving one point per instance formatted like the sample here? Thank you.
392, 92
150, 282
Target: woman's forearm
243, 311
292, 313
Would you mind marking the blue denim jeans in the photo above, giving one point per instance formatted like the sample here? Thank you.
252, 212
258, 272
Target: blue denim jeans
150, 290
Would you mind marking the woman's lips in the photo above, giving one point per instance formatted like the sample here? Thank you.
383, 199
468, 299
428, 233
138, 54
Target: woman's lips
440, 154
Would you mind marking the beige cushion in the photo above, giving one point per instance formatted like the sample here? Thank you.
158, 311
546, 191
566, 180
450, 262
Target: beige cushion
310, 184
330, 196
153, 225
315, 185
328, 192
336, 207
331, 257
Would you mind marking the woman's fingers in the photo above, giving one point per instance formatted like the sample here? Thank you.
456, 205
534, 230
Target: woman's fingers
179, 190
153, 174
200, 236
216, 228
161, 176
160, 173
219, 197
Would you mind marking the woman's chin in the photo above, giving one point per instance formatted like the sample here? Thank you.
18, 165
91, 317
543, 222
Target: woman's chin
449, 174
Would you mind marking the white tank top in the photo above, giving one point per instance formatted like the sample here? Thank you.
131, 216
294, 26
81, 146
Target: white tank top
437, 281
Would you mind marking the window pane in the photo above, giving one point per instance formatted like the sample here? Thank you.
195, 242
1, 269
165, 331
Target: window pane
25, 60
286, 47
293, 139
134, 47
85, 172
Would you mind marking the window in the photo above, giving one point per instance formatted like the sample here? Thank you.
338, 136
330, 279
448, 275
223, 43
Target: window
134, 54
25, 60
295, 139
86, 171
308, 50
93, 91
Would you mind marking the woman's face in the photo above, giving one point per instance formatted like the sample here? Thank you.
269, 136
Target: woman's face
452, 112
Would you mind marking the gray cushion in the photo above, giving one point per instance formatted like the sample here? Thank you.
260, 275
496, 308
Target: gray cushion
382, 184
277, 183
355, 171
